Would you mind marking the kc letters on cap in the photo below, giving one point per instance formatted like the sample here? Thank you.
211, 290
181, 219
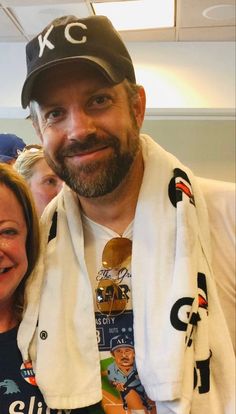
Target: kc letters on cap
92, 39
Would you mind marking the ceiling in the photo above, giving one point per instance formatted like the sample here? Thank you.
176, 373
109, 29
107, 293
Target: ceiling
196, 20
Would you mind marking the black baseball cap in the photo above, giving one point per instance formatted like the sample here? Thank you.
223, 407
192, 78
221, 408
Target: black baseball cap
92, 39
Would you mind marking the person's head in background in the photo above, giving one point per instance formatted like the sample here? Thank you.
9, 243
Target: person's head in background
43, 182
19, 243
10, 144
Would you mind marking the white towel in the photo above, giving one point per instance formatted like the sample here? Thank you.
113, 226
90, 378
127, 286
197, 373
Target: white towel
170, 264
175, 337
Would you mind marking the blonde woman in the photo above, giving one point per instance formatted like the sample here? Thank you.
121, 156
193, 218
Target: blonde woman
43, 182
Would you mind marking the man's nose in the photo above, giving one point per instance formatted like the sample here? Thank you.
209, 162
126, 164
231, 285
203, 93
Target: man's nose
80, 125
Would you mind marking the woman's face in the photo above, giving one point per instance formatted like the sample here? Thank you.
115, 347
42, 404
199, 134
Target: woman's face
44, 185
13, 256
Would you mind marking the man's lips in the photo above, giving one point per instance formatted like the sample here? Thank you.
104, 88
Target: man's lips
88, 153
81, 153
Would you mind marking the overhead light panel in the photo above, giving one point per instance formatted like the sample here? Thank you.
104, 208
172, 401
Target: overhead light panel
138, 14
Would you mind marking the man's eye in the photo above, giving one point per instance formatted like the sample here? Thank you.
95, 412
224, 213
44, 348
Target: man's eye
56, 113
100, 101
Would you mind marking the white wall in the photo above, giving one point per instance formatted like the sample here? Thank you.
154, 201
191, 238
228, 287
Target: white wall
186, 75
175, 74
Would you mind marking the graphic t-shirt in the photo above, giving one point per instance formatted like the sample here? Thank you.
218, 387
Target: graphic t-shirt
122, 390
18, 390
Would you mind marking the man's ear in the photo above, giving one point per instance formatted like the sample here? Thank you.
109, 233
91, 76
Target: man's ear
139, 106
37, 130
34, 119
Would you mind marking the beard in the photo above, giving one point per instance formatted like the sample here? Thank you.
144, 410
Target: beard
96, 178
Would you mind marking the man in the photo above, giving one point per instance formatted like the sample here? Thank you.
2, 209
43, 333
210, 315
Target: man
123, 375
126, 240
10, 145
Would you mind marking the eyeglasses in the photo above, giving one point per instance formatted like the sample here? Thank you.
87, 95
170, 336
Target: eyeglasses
111, 300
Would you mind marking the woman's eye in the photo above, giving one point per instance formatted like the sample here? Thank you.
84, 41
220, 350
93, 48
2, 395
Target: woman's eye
8, 232
50, 181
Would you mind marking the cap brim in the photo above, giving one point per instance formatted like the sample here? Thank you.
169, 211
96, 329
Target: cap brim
103, 66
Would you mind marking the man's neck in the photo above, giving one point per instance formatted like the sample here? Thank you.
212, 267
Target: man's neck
117, 209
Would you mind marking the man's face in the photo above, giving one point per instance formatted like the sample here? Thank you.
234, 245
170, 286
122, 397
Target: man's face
124, 357
89, 131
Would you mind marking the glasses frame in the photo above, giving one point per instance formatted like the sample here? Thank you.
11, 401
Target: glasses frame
110, 298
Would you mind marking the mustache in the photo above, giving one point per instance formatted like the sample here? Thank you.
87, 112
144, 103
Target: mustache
90, 143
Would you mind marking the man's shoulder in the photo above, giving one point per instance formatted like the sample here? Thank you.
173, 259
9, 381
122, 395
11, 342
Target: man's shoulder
219, 197
217, 188
220, 201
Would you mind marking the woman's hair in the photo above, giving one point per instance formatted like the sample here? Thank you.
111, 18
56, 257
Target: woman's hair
27, 159
12, 180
